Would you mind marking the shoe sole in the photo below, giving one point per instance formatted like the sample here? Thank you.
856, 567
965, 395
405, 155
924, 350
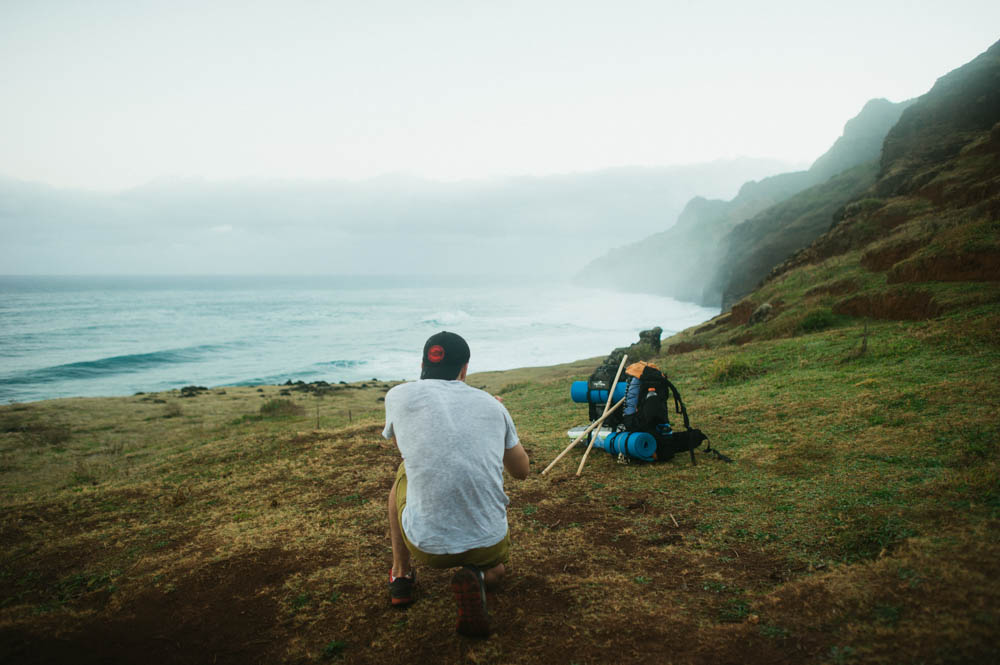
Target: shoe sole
473, 621
402, 600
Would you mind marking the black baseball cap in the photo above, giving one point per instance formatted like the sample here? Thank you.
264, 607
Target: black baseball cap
444, 355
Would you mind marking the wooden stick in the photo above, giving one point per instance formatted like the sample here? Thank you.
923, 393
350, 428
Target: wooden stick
614, 384
596, 423
611, 390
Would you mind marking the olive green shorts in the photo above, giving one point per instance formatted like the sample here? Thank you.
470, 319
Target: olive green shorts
481, 557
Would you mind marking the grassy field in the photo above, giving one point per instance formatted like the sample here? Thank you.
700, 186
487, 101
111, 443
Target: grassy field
857, 524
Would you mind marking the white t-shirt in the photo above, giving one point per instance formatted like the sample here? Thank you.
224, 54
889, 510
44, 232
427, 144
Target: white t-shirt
452, 438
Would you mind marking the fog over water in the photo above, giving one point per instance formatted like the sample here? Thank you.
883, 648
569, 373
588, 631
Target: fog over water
437, 137
393, 225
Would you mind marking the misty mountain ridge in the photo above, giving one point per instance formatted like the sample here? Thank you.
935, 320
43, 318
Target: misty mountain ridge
393, 224
919, 148
754, 247
694, 250
921, 241
862, 138
933, 215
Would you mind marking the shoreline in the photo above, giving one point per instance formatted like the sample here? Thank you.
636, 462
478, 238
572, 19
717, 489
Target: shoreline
485, 379
486, 375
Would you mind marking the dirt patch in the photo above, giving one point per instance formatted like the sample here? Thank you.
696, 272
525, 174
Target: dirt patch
882, 258
965, 267
56, 576
523, 498
216, 614
683, 347
17, 524
721, 320
302, 438
891, 306
838, 288
891, 217
569, 513
741, 312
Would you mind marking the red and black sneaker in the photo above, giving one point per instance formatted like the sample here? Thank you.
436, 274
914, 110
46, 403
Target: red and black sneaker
469, 587
401, 588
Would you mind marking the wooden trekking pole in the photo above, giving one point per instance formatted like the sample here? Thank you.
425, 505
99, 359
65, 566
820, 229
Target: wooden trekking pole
611, 391
597, 423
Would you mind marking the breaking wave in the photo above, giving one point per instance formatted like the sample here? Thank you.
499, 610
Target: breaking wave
89, 369
344, 364
447, 318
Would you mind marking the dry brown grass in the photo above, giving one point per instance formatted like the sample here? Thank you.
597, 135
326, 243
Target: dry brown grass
858, 523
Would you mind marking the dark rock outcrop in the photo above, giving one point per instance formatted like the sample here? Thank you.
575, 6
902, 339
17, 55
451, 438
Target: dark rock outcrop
647, 347
651, 339
760, 314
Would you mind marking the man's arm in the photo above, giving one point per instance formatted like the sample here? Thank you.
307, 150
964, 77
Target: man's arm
515, 460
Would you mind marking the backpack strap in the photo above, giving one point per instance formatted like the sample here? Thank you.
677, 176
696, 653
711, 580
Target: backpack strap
715, 451
678, 403
681, 409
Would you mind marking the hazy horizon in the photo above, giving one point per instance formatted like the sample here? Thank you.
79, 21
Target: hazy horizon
399, 178
543, 225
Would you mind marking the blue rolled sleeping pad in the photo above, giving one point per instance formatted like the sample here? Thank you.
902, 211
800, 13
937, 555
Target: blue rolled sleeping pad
578, 391
638, 445
631, 397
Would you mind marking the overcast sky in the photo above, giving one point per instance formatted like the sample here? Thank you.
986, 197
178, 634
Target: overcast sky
108, 95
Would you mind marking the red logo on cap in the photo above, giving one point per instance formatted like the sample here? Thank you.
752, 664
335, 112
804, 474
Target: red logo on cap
436, 353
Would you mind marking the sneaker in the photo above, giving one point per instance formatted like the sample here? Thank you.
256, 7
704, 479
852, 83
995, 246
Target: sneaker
401, 588
469, 587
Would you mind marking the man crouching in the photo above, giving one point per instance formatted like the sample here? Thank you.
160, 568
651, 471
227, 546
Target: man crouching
447, 508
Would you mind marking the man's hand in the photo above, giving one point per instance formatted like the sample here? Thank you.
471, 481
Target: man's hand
516, 461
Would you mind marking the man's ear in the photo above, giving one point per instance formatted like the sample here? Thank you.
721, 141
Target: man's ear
465, 370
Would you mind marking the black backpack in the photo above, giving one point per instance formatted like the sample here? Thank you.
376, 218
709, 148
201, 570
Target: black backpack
647, 409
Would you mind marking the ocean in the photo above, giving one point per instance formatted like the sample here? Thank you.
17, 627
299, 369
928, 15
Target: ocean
106, 336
